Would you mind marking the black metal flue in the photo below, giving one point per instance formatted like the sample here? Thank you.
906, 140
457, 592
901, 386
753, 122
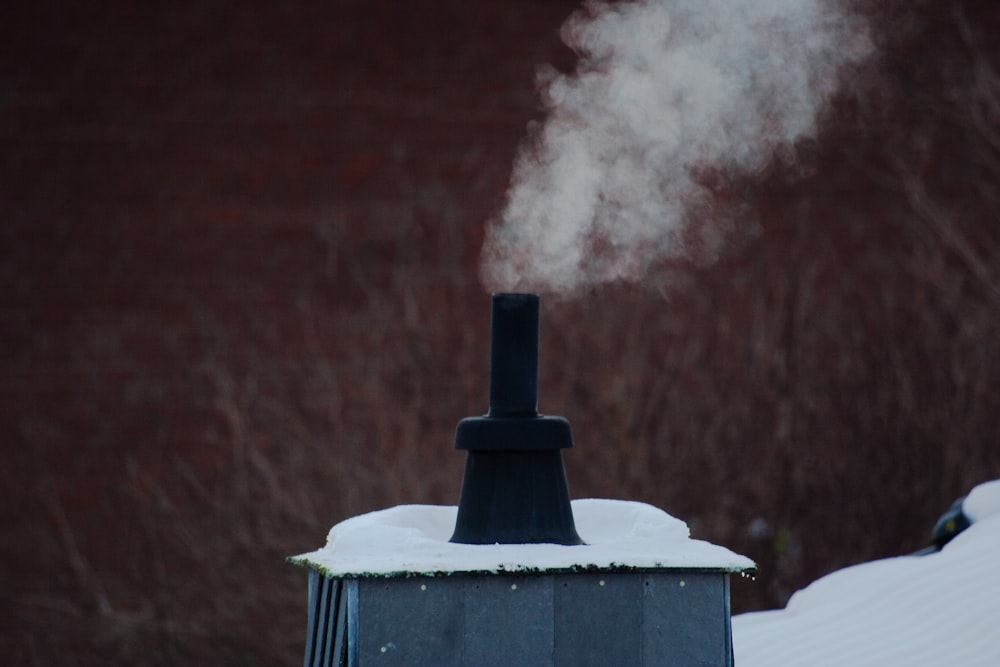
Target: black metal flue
514, 490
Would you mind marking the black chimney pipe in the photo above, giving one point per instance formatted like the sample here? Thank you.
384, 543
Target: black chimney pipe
514, 490
514, 356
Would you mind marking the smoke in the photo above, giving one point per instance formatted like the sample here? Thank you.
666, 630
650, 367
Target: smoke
663, 90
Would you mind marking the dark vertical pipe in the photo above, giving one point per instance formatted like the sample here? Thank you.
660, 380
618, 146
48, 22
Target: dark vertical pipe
514, 490
514, 356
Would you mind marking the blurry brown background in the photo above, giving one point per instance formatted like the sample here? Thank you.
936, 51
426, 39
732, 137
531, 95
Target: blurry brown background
238, 284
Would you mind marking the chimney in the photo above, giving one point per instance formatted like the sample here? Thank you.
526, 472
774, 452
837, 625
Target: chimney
514, 490
515, 584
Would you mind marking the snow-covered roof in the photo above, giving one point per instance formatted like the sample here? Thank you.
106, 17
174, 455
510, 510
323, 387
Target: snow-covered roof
909, 611
413, 539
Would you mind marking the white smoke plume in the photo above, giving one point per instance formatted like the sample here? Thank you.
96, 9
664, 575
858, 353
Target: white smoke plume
663, 90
